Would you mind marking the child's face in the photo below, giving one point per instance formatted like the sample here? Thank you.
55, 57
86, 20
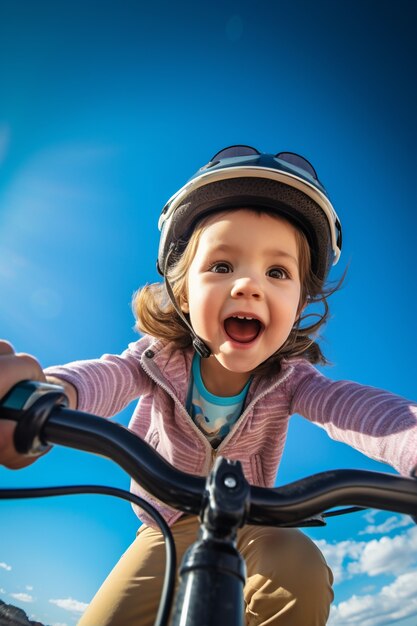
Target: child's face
245, 266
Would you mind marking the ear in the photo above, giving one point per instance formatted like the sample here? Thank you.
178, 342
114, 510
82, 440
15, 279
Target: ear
184, 305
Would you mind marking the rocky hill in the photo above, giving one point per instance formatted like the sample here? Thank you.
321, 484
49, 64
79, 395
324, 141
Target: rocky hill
13, 616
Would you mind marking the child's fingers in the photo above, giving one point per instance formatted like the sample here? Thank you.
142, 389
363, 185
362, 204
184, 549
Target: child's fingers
13, 369
8, 455
6, 347
16, 367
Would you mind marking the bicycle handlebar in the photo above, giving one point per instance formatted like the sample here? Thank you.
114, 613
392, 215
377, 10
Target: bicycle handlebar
296, 501
288, 504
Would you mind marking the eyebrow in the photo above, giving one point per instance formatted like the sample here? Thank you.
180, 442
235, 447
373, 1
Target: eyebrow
281, 253
269, 252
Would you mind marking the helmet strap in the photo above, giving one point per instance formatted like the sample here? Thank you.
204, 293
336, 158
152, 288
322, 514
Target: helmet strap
200, 347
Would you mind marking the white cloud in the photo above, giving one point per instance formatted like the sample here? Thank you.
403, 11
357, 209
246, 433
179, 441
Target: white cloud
390, 524
29, 588
370, 515
388, 555
6, 567
2, 590
22, 597
69, 604
394, 556
393, 602
336, 555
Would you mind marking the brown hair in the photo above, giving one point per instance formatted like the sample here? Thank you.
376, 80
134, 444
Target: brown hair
157, 317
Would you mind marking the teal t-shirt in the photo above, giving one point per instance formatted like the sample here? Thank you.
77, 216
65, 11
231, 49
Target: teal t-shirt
214, 415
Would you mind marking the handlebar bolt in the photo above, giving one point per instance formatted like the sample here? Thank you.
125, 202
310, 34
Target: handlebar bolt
230, 482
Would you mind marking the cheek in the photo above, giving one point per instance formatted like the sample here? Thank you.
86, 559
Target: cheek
289, 307
202, 303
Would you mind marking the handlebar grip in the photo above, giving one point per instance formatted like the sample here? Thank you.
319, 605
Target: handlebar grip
30, 403
23, 395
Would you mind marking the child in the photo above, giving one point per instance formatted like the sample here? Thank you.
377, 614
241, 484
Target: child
227, 356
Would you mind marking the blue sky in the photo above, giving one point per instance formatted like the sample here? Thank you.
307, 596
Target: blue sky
105, 110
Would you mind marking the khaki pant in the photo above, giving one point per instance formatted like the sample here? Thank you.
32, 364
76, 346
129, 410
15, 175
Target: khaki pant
288, 582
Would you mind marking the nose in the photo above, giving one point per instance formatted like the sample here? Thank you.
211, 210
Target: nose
247, 287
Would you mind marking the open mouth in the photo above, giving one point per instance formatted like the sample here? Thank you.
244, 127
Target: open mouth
243, 329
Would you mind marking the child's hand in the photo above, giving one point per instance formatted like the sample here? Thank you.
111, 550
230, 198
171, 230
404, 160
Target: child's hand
13, 369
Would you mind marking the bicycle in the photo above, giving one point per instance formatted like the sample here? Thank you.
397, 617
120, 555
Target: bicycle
224, 501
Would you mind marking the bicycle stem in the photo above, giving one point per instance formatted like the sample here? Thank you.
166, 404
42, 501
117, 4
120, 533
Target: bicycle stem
213, 573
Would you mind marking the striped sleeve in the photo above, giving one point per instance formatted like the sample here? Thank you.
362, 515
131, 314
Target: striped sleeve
105, 386
378, 423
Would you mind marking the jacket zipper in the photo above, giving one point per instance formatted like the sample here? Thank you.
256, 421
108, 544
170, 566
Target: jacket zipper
177, 402
212, 452
249, 407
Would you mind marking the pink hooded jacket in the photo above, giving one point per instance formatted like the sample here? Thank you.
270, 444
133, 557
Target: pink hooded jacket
379, 424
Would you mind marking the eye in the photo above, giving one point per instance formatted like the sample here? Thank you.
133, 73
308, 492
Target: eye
220, 268
278, 272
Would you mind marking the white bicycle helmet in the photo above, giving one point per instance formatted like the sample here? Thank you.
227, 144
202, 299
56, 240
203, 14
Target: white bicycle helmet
240, 177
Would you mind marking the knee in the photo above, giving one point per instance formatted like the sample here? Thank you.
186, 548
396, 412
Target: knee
304, 559
283, 550
287, 575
